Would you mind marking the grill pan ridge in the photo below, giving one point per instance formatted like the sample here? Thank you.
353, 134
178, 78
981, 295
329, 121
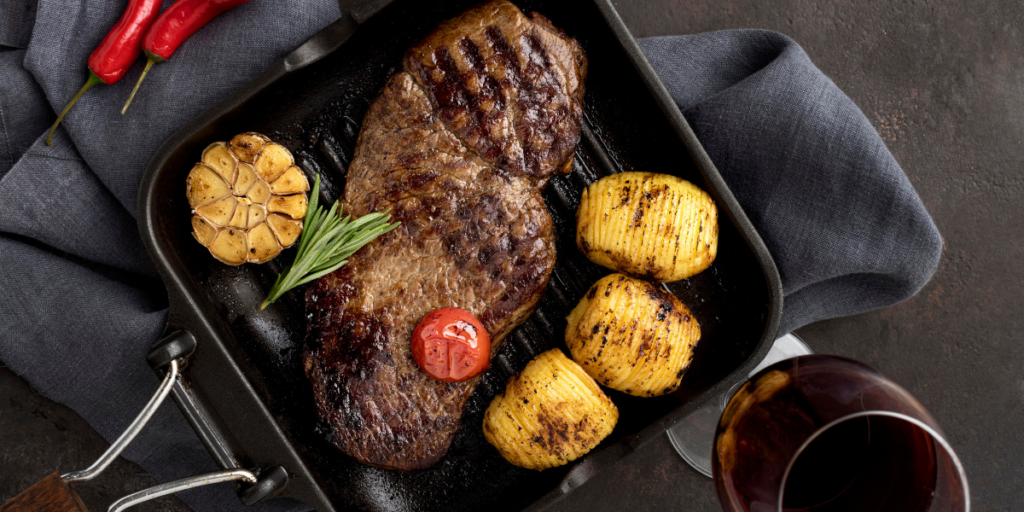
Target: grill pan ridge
244, 391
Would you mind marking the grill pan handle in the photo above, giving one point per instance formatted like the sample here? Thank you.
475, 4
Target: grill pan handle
318, 46
315, 48
53, 491
263, 484
353, 14
363, 10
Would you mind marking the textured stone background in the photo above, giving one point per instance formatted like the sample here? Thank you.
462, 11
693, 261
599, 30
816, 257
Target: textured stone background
943, 83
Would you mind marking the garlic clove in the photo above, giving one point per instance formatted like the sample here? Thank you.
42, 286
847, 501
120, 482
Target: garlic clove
293, 206
273, 161
245, 179
203, 230
262, 244
240, 218
286, 230
220, 159
291, 182
218, 212
230, 246
256, 215
259, 193
204, 186
247, 146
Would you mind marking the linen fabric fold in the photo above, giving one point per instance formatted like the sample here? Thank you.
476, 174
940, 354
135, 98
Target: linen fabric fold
842, 221
80, 304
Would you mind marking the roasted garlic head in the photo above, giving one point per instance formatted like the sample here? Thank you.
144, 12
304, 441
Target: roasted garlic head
248, 199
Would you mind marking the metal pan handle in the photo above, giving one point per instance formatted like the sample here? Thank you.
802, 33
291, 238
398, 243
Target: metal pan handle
353, 14
264, 484
363, 10
184, 484
53, 492
318, 46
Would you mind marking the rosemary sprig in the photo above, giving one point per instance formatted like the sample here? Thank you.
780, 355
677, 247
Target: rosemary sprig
326, 243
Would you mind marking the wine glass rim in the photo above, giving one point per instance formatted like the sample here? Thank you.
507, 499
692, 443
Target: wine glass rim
961, 475
731, 392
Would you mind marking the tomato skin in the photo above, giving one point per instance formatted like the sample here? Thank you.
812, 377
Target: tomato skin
451, 345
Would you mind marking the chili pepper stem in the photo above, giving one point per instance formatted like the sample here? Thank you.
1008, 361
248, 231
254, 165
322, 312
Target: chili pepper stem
149, 63
93, 80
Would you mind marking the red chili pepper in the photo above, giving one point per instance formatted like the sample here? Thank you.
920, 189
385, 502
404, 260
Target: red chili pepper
182, 19
111, 59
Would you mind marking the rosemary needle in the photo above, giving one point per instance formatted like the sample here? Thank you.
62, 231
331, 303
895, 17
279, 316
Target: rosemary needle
327, 240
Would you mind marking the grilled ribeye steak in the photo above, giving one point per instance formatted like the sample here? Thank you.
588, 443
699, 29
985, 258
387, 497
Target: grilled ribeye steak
458, 146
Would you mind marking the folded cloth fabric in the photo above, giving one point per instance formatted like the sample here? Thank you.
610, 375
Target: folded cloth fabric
842, 222
80, 304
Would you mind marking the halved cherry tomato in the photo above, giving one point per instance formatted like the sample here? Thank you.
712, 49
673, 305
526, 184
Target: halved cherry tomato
451, 345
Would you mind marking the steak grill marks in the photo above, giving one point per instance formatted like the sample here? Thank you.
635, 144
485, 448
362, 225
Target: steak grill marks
535, 137
459, 147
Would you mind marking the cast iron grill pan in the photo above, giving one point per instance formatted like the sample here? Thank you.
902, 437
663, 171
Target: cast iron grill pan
316, 112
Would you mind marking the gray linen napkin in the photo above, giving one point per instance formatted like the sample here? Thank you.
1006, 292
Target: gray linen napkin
844, 225
80, 304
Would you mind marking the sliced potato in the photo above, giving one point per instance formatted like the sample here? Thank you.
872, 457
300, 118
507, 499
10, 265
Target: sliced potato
551, 413
652, 226
231, 199
632, 336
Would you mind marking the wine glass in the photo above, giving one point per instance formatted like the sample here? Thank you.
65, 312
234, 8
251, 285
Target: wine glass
694, 436
828, 434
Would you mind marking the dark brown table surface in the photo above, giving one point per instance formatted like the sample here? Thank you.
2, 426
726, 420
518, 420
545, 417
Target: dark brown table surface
943, 83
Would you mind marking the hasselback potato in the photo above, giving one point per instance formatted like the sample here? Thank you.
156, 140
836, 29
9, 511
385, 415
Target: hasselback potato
550, 414
652, 226
632, 335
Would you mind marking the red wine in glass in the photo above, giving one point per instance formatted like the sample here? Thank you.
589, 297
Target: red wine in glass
828, 434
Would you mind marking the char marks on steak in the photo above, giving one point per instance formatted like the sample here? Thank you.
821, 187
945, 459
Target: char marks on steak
458, 146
